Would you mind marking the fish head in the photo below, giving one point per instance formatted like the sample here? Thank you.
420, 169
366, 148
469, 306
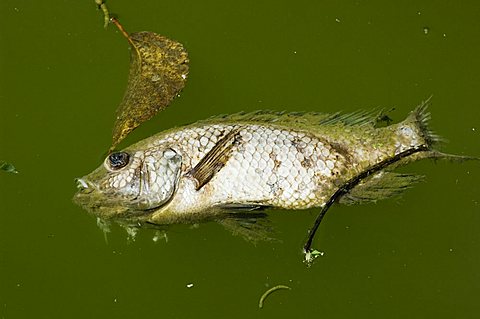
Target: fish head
130, 183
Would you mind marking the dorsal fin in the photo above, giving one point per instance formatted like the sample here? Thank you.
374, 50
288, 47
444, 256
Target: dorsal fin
269, 116
306, 120
360, 117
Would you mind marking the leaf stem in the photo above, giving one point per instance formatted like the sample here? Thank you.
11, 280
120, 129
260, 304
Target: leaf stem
122, 30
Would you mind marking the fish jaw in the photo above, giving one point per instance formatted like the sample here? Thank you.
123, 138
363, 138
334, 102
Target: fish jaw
81, 184
90, 198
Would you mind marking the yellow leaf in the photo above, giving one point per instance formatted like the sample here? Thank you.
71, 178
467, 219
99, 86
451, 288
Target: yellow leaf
158, 72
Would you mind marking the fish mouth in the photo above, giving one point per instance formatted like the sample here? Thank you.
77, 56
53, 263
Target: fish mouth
81, 184
84, 186
99, 202
88, 197
94, 201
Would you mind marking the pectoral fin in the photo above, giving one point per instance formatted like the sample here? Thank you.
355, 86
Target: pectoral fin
214, 160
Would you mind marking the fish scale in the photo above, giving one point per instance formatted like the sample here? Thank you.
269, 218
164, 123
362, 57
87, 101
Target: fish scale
269, 166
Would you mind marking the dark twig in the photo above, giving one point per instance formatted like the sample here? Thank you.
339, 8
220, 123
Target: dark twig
349, 185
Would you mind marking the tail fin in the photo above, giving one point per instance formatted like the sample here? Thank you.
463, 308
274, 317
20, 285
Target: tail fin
418, 122
415, 131
445, 156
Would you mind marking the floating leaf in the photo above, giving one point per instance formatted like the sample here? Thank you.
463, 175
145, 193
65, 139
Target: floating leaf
158, 72
7, 167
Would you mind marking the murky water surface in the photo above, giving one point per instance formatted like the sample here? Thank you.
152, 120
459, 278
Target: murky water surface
62, 76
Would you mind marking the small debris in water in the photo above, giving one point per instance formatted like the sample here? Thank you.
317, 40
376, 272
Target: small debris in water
8, 167
337, 20
104, 227
160, 234
317, 253
131, 232
190, 285
268, 292
426, 30
310, 256
106, 15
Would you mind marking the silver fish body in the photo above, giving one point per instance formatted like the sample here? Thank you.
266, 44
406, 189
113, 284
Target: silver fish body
290, 161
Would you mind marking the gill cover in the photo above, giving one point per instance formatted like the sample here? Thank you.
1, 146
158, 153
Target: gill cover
159, 179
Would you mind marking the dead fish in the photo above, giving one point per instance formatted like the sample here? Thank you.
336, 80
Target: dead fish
232, 165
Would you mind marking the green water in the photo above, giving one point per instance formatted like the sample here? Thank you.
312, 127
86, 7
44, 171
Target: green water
62, 76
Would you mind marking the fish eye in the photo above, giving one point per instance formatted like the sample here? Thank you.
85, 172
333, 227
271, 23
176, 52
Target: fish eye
118, 160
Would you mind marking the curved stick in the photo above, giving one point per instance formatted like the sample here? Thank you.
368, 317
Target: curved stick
350, 184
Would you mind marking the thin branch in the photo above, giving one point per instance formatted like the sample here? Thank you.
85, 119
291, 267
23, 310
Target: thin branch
349, 185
